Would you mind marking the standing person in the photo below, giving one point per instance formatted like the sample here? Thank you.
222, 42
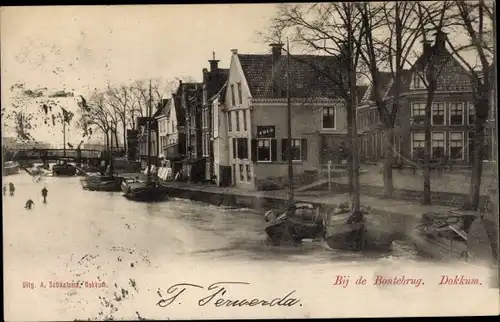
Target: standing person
4, 189
44, 194
12, 188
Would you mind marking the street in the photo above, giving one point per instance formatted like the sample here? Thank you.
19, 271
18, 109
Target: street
102, 237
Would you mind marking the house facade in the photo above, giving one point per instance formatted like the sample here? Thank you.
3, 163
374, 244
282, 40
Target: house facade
452, 120
221, 168
161, 119
142, 141
213, 80
256, 113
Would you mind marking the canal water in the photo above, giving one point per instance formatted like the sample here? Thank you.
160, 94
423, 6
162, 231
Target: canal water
138, 249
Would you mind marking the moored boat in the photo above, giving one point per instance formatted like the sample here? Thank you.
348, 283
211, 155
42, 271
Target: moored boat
10, 168
444, 236
146, 191
302, 221
63, 169
363, 230
101, 183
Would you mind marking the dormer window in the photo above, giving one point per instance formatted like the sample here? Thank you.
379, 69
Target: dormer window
417, 82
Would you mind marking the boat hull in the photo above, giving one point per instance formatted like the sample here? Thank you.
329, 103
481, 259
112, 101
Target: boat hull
104, 183
370, 234
291, 229
9, 170
439, 247
63, 171
146, 193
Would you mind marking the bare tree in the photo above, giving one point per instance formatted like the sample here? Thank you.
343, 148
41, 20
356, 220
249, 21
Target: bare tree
123, 103
391, 30
329, 29
475, 20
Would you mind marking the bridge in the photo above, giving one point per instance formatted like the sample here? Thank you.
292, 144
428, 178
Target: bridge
46, 155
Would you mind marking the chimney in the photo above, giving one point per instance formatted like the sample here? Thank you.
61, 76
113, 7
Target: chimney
440, 39
276, 51
426, 46
214, 63
275, 54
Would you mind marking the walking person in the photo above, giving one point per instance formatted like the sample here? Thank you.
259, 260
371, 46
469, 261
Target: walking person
4, 189
29, 204
12, 188
44, 194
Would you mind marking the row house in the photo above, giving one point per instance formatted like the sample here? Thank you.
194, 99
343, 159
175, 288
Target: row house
142, 140
193, 166
161, 119
220, 143
255, 116
213, 80
452, 118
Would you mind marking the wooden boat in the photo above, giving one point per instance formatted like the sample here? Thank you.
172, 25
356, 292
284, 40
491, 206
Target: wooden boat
63, 169
302, 221
146, 191
444, 236
362, 231
10, 168
101, 183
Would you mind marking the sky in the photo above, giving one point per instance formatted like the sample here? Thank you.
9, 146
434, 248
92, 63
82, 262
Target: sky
80, 48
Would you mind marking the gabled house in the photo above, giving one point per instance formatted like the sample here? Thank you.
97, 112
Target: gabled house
220, 145
161, 119
213, 80
142, 140
256, 112
452, 112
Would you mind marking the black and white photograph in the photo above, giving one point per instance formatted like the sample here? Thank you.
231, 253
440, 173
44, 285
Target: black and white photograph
249, 161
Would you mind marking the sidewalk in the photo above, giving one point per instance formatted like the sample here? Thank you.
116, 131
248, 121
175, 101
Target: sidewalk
399, 207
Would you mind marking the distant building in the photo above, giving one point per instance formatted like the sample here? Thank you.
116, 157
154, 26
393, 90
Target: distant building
452, 118
142, 140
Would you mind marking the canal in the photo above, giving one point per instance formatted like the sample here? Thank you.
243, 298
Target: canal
139, 249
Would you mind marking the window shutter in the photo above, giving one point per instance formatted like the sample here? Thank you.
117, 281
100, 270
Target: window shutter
284, 149
254, 149
234, 148
274, 150
303, 148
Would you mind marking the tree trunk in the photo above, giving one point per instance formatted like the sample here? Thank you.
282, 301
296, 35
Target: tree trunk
124, 124
388, 183
428, 148
115, 132
477, 166
350, 169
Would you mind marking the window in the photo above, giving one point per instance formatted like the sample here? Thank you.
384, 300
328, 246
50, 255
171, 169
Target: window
234, 173
296, 149
472, 114
418, 113
417, 81
240, 96
203, 118
456, 114
242, 173
249, 173
244, 120
229, 122
264, 150
456, 145
329, 117
233, 100
437, 145
173, 126
418, 143
438, 114
237, 121
242, 148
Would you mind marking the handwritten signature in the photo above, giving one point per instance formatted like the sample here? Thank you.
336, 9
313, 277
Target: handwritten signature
218, 290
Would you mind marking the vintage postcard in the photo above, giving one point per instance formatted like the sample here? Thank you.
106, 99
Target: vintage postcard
240, 161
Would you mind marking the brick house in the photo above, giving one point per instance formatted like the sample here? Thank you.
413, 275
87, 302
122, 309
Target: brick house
256, 112
452, 118
213, 80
